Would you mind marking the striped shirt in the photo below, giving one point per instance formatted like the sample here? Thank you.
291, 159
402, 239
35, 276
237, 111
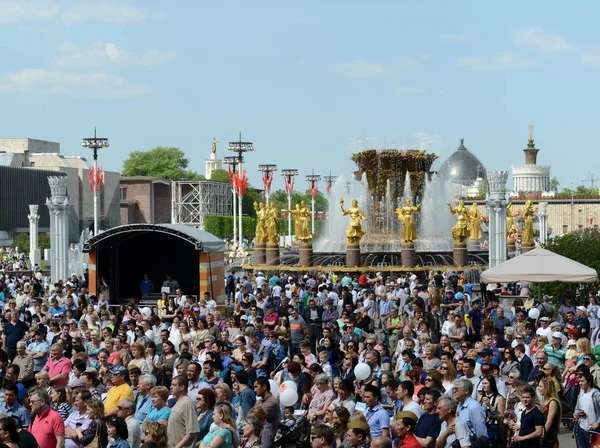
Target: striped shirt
556, 356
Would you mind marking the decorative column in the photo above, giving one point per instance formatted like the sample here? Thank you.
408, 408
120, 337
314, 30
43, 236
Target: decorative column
58, 206
496, 202
34, 252
289, 177
543, 220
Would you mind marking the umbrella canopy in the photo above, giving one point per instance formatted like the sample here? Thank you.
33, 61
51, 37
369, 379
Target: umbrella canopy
540, 266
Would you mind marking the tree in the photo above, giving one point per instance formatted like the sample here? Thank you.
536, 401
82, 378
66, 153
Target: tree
21, 241
219, 176
582, 246
554, 183
167, 162
581, 190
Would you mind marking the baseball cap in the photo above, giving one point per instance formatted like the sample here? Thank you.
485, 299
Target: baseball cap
244, 318
544, 319
582, 308
571, 342
77, 382
476, 299
119, 369
485, 352
557, 335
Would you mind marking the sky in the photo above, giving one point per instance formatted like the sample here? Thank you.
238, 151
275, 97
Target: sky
309, 83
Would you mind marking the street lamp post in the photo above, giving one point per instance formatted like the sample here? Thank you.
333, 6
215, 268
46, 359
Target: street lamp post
267, 178
289, 176
233, 163
329, 181
96, 177
240, 148
313, 185
348, 186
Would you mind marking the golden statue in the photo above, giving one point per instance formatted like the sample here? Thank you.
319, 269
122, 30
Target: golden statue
301, 217
530, 132
528, 216
214, 146
271, 224
355, 231
475, 224
406, 217
510, 221
460, 230
260, 234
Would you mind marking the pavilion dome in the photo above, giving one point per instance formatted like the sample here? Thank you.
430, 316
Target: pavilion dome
462, 166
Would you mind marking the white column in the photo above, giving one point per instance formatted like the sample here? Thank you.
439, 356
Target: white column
34, 253
496, 203
543, 220
234, 219
289, 219
58, 206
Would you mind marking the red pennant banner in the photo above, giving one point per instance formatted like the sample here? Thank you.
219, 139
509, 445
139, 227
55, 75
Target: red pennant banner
267, 179
96, 179
242, 183
289, 184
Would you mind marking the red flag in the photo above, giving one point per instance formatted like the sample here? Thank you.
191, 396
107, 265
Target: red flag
96, 179
242, 182
289, 184
267, 179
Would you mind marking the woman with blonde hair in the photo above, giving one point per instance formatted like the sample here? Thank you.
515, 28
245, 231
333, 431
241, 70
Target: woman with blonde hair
551, 409
95, 412
139, 358
223, 392
222, 433
448, 372
156, 433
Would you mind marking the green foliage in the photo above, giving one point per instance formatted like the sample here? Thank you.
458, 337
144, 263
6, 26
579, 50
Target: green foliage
580, 191
583, 247
222, 226
167, 162
279, 197
22, 241
554, 183
219, 176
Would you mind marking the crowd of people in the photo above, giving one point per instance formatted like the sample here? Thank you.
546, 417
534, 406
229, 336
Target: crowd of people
310, 360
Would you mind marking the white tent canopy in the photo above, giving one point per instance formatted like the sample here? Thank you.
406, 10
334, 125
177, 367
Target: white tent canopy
540, 266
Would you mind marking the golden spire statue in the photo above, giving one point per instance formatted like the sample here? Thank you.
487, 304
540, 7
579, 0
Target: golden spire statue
355, 231
214, 146
510, 221
406, 217
301, 217
528, 216
260, 233
530, 132
460, 230
475, 223
271, 223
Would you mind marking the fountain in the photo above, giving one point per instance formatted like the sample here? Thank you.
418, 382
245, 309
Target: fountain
78, 259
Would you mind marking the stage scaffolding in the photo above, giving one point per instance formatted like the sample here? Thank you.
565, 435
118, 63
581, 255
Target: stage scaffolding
193, 200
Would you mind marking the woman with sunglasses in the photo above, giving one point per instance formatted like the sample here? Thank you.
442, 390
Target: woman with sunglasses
509, 363
448, 372
551, 409
494, 405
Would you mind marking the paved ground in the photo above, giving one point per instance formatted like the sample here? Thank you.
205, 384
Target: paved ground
565, 439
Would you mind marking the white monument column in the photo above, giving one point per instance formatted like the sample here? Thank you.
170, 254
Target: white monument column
58, 206
496, 202
543, 222
34, 253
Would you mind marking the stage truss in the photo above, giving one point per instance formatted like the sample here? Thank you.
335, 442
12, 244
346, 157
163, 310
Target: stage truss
193, 200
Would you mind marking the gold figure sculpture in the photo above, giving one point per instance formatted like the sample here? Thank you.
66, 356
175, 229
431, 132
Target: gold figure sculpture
355, 231
528, 216
406, 215
460, 230
214, 146
271, 224
301, 217
260, 234
475, 224
510, 222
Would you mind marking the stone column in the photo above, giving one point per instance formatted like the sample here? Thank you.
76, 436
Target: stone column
272, 254
34, 252
543, 222
496, 203
306, 254
58, 206
407, 254
260, 254
353, 254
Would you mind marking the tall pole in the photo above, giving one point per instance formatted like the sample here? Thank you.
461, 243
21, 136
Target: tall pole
313, 186
232, 162
95, 143
267, 178
240, 147
329, 181
289, 177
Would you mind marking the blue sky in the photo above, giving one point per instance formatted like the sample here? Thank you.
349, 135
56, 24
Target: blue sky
308, 82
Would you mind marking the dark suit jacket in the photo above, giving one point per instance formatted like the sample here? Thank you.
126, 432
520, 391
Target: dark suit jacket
525, 367
307, 313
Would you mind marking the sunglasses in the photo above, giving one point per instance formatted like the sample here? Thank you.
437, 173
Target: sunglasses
428, 379
444, 368
587, 359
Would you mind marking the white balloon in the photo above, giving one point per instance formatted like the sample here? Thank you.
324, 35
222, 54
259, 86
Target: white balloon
274, 388
288, 385
534, 313
362, 371
288, 397
146, 312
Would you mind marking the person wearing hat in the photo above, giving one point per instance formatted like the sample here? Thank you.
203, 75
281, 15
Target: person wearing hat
582, 324
544, 329
359, 432
119, 391
406, 422
555, 352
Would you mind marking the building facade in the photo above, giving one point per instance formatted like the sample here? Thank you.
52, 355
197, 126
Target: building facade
145, 200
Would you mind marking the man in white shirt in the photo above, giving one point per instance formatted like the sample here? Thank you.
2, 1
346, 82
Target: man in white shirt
126, 410
545, 330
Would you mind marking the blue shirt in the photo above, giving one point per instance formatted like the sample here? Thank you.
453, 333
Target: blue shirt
472, 413
146, 287
156, 415
42, 346
121, 443
142, 408
378, 419
18, 412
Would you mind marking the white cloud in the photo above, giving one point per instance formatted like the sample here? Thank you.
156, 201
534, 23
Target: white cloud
501, 61
82, 11
27, 11
360, 68
107, 12
536, 39
407, 91
80, 85
590, 60
100, 54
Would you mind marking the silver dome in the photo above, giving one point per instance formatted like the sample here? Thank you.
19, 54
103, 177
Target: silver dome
462, 166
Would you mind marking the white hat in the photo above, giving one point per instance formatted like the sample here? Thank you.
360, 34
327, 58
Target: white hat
582, 308
571, 342
544, 319
557, 335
